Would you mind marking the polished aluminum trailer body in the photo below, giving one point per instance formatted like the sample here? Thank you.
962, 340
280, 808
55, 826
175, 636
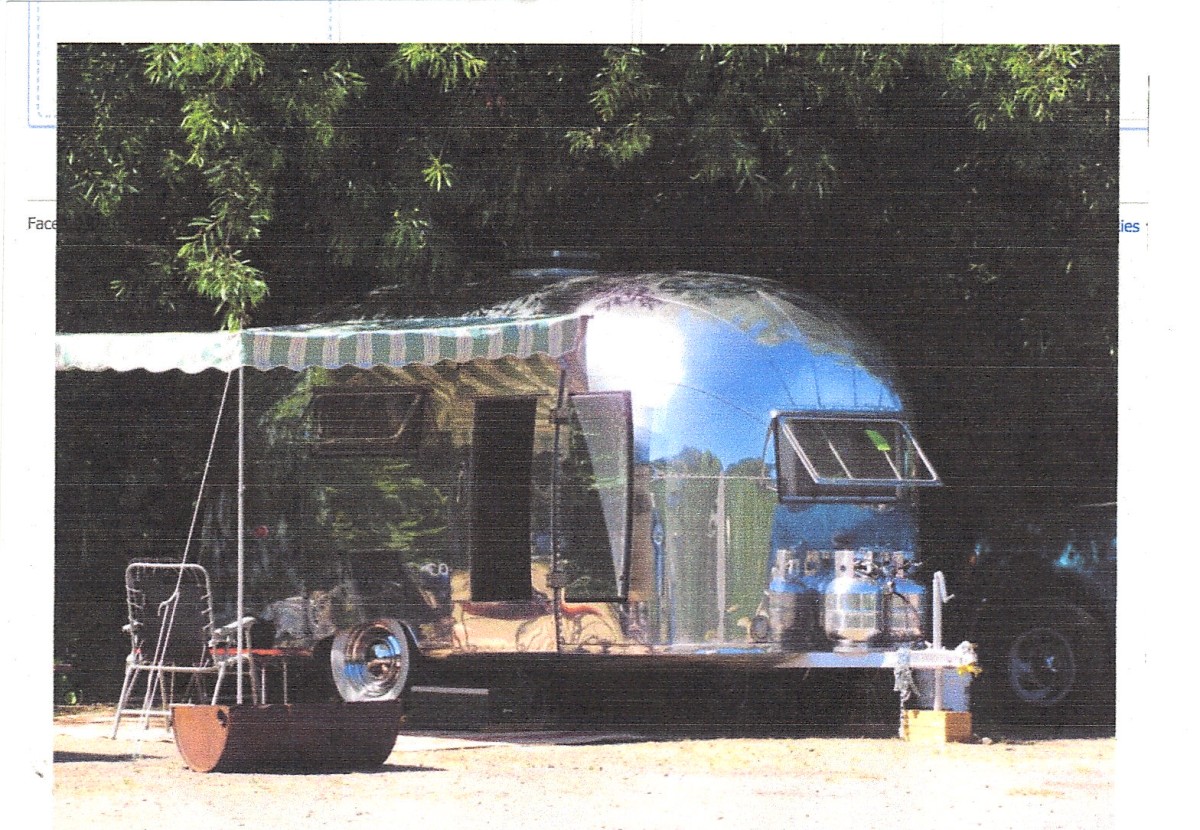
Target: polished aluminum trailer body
663, 467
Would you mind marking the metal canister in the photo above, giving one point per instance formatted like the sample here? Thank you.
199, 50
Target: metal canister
907, 602
794, 615
853, 605
793, 602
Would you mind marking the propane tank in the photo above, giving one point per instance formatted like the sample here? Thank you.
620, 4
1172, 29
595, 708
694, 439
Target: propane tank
871, 601
907, 601
793, 602
854, 608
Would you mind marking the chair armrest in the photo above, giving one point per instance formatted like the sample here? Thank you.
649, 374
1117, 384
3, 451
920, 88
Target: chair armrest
228, 633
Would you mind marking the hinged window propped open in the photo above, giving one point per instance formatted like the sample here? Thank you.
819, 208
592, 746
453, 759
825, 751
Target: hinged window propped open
822, 456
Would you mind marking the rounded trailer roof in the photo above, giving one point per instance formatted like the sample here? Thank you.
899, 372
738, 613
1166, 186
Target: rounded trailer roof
711, 357
822, 360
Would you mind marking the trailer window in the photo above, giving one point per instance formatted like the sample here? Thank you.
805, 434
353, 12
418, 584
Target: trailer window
862, 456
362, 420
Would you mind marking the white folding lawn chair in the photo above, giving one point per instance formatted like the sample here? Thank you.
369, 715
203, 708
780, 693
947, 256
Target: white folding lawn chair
172, 635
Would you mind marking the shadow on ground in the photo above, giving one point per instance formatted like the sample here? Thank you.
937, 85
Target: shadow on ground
690, 704
639, 705
91, 757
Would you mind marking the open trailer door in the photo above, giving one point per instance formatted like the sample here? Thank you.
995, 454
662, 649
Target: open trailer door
501, 499
593, 517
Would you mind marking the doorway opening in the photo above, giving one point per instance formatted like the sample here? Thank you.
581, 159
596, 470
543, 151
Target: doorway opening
502, 492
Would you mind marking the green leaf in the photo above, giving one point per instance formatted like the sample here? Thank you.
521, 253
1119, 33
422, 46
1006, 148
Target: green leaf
438, 174
878, 440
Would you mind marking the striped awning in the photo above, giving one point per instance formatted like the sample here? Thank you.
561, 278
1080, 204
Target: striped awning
362, 343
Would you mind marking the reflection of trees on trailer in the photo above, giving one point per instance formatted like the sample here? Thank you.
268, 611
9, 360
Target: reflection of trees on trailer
674, 467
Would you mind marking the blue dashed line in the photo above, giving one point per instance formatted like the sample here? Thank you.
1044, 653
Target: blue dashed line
33, 68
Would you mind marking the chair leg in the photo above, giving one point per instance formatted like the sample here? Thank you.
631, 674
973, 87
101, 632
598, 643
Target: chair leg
196, 688
262, 683
254, 689
217, 684
169, 699
126, 688
157, 689
245, 665
157, 682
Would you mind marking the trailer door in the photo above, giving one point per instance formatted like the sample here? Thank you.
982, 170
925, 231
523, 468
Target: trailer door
594, 498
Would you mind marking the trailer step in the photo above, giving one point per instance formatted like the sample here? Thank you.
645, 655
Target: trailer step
450, 690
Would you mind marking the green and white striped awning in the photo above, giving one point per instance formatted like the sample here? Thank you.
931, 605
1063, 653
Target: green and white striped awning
363, 344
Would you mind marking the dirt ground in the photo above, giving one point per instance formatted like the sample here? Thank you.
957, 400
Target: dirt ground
681, 777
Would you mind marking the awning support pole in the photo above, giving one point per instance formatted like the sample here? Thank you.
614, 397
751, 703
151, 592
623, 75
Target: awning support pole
241, 530
555, 580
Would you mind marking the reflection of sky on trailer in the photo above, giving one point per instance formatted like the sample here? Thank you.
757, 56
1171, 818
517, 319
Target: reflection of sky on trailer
707, 373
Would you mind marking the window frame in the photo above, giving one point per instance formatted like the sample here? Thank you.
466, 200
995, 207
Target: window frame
406, 438
824, 488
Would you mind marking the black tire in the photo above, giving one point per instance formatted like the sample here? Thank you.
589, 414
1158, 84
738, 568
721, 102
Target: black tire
311, 680
371, 661
1046, 665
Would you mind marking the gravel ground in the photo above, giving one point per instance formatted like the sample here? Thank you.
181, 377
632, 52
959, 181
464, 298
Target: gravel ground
678, 778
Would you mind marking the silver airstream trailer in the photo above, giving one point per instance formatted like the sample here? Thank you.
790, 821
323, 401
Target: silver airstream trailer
678, 468
694, 467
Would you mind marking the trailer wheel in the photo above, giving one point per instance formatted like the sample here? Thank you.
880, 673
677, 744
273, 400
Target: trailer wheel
371, 661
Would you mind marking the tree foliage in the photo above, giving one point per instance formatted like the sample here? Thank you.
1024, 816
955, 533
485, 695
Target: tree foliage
958, 199
218, 171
